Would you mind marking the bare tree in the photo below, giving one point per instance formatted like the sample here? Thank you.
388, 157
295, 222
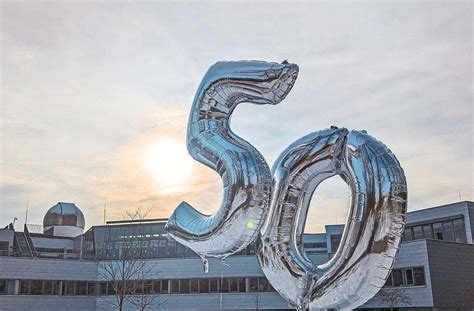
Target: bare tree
137, 214
392, 297
123, 264
144, 297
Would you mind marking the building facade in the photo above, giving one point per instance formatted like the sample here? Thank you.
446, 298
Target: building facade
66, 269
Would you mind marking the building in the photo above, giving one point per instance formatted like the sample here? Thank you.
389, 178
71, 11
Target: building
63, 268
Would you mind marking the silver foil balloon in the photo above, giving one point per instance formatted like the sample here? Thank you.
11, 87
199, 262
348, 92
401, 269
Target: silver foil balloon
244, 172
372, 234
376, 219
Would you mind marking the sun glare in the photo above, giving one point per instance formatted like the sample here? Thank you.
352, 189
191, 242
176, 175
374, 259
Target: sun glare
168, 162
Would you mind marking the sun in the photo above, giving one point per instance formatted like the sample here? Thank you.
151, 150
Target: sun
168, 162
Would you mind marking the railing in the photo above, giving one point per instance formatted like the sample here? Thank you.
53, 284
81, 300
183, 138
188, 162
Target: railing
5, 253
29, 242
33, 228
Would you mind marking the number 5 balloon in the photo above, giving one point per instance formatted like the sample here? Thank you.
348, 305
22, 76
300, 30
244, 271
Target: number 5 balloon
376, 220
244, 172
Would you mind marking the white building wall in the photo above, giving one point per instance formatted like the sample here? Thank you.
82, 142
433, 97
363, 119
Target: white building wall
411, 254
227, 301
47, 303
25, 268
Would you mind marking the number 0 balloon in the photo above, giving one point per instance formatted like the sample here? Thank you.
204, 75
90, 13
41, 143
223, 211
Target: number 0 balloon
273, 210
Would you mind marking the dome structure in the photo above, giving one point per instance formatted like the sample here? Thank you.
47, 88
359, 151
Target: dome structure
64, 219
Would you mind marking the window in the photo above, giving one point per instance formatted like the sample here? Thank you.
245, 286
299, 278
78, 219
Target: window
233, 285
171, 248
263, 285
138, 287
335, 240
36, 287
214, 285
148, 287
7, 287
184, 286
174, 287
48, 288
81, 288
419, 276
157, 286
418, 232
251, 249
315, 245
162, 248
164, 287
194, 286
204, 285
56, 287
397, 277
91, 289
427, 232
103, 288
24, 287
253, 285
242, 285
180, 250
69, 220
459, 230
408, 234
448, 230
110, 288
438, 231
225, 285
406, 277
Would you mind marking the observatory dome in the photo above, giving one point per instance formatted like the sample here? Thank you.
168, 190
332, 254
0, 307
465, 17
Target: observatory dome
64, 219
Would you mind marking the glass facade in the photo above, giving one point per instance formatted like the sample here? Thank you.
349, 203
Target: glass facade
448, 230
143, 240
175, 286
316, 248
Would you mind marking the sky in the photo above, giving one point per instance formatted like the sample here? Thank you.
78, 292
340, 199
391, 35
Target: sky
95, 98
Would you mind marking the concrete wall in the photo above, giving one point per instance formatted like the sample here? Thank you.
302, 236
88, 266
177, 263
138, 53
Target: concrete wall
47, 269
46, 303
228, 301
452, 276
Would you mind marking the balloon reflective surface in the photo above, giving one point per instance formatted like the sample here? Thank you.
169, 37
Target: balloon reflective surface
244, 172
372, 234
273, 210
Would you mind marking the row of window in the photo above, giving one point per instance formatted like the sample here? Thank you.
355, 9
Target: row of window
448, 230
182, 286
398, 277
160, 248
406, 277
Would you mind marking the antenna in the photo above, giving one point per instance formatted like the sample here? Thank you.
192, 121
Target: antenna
26, 214
105, 208
459, 192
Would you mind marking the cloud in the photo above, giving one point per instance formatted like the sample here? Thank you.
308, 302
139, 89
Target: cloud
86, 87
